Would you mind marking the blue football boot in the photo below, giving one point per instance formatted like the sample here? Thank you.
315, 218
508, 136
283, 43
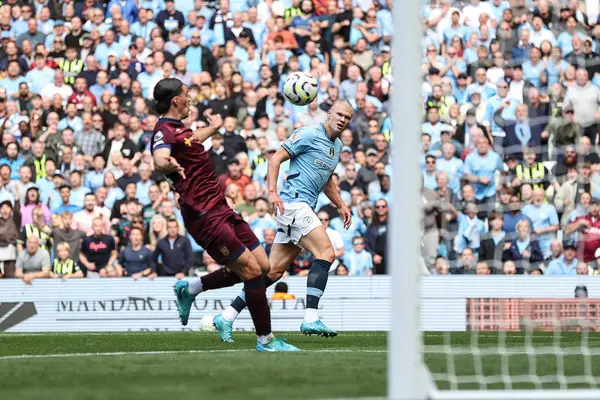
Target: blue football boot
316, 328
184, 300
224, 328
276, 345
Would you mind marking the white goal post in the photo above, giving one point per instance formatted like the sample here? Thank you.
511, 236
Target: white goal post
408, 375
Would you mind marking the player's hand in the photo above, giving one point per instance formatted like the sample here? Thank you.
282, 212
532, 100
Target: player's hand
176, 167
276, 204
346, 216
215, 121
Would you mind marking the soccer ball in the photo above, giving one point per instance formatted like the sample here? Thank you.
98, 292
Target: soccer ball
300, 88
206, 324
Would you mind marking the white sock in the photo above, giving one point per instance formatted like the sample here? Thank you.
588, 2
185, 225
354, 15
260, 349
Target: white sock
230, 314
264, 339
195, 287
311, 315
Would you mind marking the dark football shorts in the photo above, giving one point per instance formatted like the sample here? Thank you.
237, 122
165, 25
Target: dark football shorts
220, 231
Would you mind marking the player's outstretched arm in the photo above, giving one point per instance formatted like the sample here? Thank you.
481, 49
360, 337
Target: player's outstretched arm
272, 175
214, 123
163, 162
332, 191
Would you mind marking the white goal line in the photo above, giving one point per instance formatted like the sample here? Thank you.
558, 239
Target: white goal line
169, 352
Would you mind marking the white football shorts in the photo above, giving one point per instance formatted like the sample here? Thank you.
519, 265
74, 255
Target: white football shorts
298, 220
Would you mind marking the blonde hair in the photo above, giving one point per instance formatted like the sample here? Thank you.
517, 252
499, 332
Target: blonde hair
63, 246
154, 238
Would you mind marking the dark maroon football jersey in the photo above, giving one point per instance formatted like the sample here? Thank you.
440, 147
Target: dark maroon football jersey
200, 188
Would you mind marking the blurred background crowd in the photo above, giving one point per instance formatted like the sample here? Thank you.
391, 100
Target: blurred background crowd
79, 196
510, 136
511, 112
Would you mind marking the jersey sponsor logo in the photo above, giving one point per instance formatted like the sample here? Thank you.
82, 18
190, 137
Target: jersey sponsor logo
158, 140
293, 138
225, 251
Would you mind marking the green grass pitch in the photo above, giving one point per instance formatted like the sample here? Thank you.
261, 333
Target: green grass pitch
172, 365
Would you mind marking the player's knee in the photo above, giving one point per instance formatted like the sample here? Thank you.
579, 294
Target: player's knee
265, 267
275, 275
253, 269
328, 255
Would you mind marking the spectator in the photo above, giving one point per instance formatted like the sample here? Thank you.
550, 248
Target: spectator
585, 99
63, 266
466, 264
523, 250
565, 264
234, 175
32, 201
334, 236
429, 175
33, 263
442, 266
62, 232
78, 191
136, 260
470, 229
534, 173
39, 228
65, 205
174, 253
544, 219
261, 219
376, 237
431, 209
482, 268
83, 219
98, 252
281, 292
510, 268
358, 260
157, 230
570, 192
492, 244
269, 236
10, 220
480, 168
588, 227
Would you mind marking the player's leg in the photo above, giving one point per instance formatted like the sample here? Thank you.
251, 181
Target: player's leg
282, 256
224, 322
318, 244
248, 268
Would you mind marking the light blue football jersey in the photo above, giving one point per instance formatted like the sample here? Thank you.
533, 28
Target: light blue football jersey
314, 158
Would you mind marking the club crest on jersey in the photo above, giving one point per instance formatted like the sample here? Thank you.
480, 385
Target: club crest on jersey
224, 251
331, 152
188, 141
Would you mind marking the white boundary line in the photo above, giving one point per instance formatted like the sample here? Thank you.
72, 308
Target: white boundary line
167, 352
166, 333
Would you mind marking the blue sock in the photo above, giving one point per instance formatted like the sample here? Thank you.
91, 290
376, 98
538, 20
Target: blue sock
317, 280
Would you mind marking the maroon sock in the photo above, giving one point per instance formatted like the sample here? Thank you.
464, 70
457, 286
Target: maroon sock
219, 279
256, 299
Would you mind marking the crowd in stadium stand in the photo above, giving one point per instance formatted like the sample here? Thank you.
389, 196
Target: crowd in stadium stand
510, 168
79, 197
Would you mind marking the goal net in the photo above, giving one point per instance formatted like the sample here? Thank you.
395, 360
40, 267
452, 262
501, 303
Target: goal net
486, 306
